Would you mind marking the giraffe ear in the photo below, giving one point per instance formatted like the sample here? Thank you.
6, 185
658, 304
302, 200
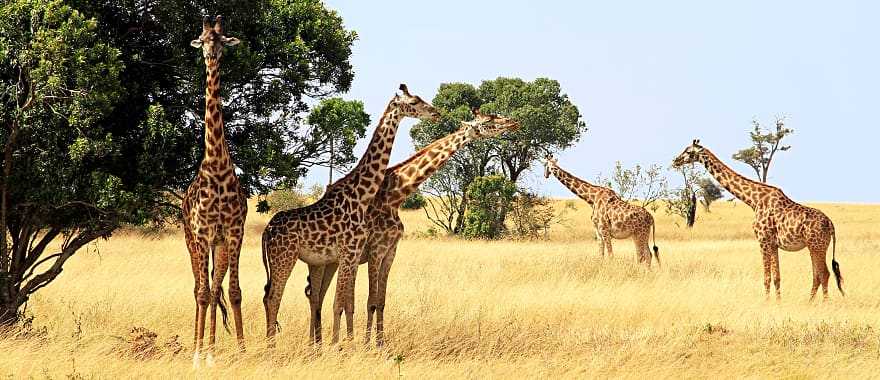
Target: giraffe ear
230, 41
196, 43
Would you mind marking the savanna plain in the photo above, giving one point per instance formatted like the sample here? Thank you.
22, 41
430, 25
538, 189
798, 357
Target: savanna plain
483, 309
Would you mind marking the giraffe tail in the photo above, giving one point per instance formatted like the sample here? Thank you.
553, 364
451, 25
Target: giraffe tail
265, 247
265, 255
835, 267
656, 250
220, 301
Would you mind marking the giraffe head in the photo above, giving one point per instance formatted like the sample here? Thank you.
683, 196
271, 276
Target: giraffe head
484, 125
693, 153
212, 40
549, 163
414, 106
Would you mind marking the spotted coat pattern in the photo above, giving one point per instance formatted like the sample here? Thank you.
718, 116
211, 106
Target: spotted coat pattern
214, 205
780, 223
612, 217
383, 222
331, 233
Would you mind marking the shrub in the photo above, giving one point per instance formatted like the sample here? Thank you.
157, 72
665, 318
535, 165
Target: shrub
291, 198
415, 201
489, 199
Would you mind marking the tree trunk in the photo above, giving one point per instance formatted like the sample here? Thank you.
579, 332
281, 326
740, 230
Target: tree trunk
692, 210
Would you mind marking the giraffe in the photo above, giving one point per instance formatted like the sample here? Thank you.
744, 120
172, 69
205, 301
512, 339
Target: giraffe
330, 233
215, 205
383, 222
612, 217
779, 221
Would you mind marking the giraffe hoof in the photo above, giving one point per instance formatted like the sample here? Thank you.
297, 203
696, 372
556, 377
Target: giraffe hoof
209, 360
196, 361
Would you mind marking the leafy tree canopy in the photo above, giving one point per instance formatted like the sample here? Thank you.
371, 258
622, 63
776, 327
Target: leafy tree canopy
765, 145
101, 109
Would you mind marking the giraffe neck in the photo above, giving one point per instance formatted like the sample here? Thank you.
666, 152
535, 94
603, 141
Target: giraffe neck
363, 182
583, 189
216, 151
741, 187
408, 175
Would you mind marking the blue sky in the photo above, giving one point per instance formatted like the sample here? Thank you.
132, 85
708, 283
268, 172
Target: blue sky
648, 77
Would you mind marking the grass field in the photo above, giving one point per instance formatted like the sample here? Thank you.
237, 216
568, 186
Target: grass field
476, 309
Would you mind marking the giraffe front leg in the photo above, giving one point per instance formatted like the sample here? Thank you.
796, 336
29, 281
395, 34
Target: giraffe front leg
199, 260
373, 264
202, 297
606, 237
767, 250
774, 270
599, 239
234, 252
313, 293
384, 272
329, 272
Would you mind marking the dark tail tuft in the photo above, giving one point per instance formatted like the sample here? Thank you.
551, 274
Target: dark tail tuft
835, 267
657, 255
220, 301
221, 304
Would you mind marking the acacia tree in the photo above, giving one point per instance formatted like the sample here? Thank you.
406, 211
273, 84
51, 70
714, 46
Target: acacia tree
765, 145
548, 121
326, 121
683, 201
100, 115
637, 184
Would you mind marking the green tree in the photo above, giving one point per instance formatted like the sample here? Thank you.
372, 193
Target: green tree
414, 201
548, 120
336, 125
765, 144
101, 115
489, 199
54, 70
637, 184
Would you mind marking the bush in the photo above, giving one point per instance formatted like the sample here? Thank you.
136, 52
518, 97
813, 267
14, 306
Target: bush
415, 201
291, 198
488, 200
531, 215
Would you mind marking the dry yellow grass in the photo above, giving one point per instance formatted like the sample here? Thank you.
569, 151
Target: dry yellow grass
474, 309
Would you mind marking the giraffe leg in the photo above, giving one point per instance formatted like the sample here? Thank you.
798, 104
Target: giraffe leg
774, 270
329, 272
606, 237
643, 252
279, 272
374, 260
600, 240
344, 301
768, 248
235, 297
202, 297
384, 271
313, 293
820, 269
221, 264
